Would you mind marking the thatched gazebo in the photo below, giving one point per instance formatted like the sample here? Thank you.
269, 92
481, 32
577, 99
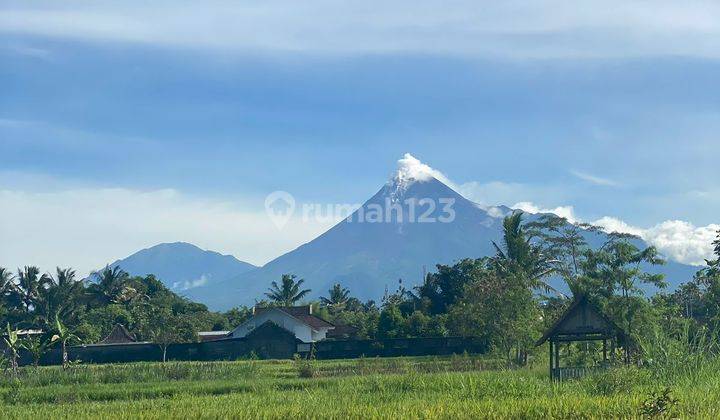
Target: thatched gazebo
582, 321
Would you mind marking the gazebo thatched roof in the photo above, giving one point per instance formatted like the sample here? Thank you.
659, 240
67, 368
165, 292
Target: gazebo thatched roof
118, 335
583, 320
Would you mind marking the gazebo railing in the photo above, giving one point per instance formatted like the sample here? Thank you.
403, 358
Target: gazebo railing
564, 373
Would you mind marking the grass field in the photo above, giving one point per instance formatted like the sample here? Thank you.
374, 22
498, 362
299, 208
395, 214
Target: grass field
429, 387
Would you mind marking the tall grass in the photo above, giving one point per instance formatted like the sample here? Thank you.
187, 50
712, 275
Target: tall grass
688, 356
422, 387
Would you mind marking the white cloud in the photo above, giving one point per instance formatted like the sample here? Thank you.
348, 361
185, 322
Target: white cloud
494, 193
678, 240
87, 228
549, 28
593, 179
29, 51
611, 224
496, 212
409, 167
683, 241
190, 284
568, 212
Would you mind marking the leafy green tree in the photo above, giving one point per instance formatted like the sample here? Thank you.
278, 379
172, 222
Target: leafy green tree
166, 328
618, 266
444, 288
417, 324
564, 245
500, 309
96, 323
288, 292
237, 315
391, 323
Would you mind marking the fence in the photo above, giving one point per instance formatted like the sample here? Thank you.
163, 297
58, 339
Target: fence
424, 346
269, 347
565, 373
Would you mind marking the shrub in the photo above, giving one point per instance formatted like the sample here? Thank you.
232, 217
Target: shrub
658, 404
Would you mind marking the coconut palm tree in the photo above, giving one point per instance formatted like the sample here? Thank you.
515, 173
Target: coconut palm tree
6, 285
338, 296
29, 287
518, 256
62, 297
111, 286
288, 293
6, 280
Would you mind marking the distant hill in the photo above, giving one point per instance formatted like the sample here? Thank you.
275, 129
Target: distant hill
186, 269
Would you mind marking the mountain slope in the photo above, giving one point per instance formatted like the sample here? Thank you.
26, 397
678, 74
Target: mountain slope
185, 269
369, 256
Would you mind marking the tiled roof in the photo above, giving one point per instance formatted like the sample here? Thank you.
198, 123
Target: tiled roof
314, 321
303, 313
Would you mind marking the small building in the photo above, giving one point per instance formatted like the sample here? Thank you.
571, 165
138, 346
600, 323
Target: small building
298, 320
204, 336
582, 321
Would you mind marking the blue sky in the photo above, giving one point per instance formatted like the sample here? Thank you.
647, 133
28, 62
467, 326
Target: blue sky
173, 122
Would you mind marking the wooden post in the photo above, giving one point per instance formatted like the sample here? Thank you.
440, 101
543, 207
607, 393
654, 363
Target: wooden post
604, 349
557, 355
551, 359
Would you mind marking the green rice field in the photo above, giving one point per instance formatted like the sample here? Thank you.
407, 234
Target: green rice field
427, 387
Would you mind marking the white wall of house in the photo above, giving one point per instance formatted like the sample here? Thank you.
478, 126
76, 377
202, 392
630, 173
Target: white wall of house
319, 334
300, 329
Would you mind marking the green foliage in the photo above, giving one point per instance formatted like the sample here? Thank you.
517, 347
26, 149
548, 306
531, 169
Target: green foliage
391, 323
63, 336
12, 345
306, 366
501, 310
36, 346
446, 287
659, 404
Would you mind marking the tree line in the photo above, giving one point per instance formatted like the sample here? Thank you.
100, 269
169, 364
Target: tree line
506, 298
